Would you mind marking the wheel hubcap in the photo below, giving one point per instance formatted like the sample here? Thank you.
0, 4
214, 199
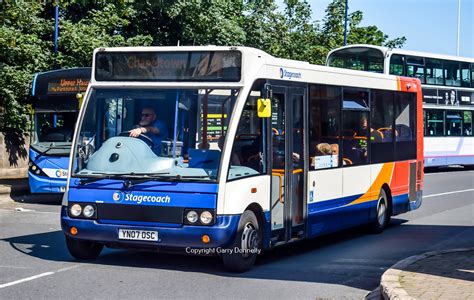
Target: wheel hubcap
249, 239
381, 212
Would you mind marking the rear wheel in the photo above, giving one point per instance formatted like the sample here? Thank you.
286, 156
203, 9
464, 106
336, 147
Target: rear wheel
80, 249
382, 219
243, 252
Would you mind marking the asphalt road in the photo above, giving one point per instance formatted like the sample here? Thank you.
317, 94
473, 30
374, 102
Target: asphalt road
34, 262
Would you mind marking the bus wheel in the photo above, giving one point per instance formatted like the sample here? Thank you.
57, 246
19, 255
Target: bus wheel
243, 252
86, 250
382, 218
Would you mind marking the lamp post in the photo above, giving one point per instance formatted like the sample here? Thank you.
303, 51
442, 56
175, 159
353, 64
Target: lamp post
56, 17
345, 25
459, 26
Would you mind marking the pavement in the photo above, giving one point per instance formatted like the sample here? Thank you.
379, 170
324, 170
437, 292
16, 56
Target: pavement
445, 274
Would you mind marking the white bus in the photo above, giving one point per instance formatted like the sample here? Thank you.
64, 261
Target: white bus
448, 95
246, 152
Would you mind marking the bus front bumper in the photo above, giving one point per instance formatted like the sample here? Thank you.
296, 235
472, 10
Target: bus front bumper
221, 234
41, 184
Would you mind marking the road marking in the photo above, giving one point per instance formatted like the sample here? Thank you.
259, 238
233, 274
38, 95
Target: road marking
444, 173
14, 267
32, 211
448, 193
25, 279
35, 277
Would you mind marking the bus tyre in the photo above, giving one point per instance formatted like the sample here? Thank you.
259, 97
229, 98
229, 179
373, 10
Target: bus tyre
244, 250
80, 249
382, 218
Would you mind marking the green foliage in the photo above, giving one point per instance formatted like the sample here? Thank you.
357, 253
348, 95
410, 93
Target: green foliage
27, 33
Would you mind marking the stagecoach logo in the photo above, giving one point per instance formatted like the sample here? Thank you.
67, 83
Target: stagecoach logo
61, 173
287, 74
118, 196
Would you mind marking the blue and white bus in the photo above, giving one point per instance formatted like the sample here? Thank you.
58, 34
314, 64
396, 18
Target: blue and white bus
55, 112
254, 152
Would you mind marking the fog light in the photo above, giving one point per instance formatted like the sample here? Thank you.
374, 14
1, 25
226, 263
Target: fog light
205, 239
192, 216
88, 211
206, 217
75, 210
73, 230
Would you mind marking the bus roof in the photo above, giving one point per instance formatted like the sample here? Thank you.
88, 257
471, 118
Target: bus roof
255, 64
388, 51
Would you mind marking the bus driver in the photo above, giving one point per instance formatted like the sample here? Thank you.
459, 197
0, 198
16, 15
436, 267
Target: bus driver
153, 128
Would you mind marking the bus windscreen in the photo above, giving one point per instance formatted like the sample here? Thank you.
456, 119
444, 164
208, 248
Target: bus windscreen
212, 66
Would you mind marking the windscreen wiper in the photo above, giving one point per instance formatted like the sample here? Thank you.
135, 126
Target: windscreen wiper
96, 176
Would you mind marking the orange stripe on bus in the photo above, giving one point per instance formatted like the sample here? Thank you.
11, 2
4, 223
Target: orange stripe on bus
384, 176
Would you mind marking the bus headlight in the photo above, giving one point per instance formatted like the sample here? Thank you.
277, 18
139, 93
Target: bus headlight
192, 216
88, 211
75, 210
206, 217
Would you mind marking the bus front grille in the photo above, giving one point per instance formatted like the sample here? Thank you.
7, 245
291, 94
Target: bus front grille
140, 213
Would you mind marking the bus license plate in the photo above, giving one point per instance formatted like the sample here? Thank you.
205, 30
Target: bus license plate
138, 235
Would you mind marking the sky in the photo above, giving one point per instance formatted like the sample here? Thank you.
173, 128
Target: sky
428, 25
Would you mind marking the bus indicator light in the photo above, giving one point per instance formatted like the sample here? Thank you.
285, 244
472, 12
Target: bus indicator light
205, 239
73, 230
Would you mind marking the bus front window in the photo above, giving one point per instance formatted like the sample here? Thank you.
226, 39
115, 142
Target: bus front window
52, 132
168, 133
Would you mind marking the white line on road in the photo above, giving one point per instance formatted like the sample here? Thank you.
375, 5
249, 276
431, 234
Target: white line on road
32, 211
448, 193
35, 277
444, 173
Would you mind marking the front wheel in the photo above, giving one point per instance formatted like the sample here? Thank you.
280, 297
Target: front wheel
80, 249
245, 248
382, 219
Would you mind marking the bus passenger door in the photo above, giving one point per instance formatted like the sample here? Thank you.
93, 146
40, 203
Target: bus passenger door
287, 188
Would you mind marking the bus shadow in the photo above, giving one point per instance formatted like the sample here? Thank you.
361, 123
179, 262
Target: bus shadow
47, 199
351, 258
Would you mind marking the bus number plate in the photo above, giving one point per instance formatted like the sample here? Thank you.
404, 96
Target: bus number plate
137, 235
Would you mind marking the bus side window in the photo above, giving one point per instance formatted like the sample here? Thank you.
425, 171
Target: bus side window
381, 132
324, 123
247, 150
405, 139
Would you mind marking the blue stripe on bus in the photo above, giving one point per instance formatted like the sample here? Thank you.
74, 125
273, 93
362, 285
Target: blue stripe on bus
331, 204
